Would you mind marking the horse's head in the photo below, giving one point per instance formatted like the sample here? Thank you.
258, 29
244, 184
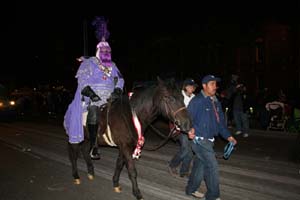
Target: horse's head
169, 99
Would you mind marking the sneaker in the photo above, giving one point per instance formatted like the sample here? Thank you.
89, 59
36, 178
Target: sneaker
184, 175
172, 171
203, 198
245, 135
197, 194
238, 132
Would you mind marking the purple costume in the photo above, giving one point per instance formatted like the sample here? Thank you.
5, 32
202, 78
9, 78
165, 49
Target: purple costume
102, 82
103, 76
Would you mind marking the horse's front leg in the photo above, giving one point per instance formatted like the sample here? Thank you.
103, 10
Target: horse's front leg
73, 150
132, 173
119, 166
85, 148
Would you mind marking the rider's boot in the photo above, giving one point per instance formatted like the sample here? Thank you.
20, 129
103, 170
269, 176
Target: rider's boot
94, 146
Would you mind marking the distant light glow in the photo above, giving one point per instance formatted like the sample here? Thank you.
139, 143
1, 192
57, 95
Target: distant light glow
251, 110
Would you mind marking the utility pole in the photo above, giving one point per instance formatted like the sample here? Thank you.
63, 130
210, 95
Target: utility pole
85, 38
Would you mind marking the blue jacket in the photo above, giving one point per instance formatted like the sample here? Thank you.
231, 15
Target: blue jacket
204, 119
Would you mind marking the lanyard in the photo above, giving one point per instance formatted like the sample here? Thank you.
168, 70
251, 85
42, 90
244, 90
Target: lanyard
216, 112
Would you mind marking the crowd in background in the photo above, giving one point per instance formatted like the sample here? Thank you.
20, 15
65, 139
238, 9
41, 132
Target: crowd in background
239, 106
42, 101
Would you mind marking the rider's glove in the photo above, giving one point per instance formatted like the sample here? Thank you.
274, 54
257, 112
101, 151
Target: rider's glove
88, 92
116, 93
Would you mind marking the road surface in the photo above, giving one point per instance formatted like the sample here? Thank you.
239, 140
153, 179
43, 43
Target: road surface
35, 165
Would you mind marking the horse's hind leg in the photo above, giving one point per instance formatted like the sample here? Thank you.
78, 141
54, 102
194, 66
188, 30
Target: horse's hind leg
132, 173
73, 150
119, 166
85, 152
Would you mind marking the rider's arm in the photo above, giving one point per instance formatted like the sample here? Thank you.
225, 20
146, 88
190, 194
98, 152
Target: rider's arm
118, 75
84, 73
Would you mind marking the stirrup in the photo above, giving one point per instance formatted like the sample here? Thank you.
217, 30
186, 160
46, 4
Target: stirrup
94, 156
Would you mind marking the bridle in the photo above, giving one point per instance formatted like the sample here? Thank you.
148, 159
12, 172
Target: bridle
174, 113
177, 111
172, 133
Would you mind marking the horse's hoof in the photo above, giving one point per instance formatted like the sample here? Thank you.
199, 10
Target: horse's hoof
90, 177
77, 181
118, 189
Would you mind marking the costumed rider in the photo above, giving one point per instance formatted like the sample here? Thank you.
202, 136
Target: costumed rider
99, 79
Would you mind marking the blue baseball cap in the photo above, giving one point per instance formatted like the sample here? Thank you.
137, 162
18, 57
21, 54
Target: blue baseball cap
189, 81
208, 78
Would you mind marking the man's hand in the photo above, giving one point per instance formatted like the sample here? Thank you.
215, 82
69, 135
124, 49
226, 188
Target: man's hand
191, 133
231, 139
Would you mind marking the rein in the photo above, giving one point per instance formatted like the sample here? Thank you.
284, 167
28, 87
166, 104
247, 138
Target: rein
174, 113
171, 134
178, 110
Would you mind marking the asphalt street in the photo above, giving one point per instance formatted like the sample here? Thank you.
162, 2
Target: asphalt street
28, 176
35, 165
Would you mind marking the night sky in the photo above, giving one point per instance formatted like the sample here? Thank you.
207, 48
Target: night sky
48, 42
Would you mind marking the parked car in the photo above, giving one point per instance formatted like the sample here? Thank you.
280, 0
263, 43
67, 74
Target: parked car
8, 108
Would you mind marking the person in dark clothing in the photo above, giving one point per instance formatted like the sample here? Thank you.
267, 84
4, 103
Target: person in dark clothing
185, 155
241, 106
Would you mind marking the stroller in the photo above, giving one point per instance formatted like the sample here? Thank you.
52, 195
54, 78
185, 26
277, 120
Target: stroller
277, 118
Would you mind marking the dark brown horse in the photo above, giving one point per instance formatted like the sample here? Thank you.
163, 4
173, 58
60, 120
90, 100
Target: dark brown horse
117, 127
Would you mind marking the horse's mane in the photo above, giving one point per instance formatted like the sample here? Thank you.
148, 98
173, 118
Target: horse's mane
144, 90
147, 99
170, 85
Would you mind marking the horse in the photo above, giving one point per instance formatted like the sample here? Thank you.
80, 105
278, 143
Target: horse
122, 123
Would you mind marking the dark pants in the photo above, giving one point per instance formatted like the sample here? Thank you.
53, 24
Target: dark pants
205, 166
241, 120
183, 156
92, 117
92, 123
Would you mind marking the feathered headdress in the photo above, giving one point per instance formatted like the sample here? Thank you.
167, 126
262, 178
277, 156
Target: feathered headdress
102, 34
101, 31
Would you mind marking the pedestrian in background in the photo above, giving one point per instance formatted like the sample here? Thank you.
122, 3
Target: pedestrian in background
241, 110
185, 155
